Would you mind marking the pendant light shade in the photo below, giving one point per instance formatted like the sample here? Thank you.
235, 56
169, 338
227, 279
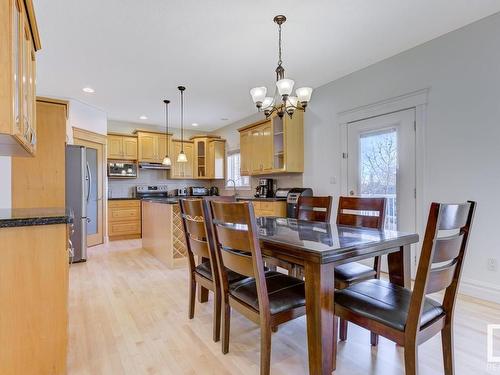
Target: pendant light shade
166, 160
182, 158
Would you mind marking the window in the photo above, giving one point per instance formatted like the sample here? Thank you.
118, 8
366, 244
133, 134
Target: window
233, 171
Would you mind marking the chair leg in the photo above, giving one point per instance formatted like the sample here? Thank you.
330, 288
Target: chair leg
447, 343
217, 316
226, 325
192, 296
411, 358
265, 349
343, 330
202, 294
373, 339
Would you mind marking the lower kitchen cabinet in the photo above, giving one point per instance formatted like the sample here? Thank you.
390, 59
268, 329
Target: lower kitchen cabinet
124, 219
269, 208
34, 299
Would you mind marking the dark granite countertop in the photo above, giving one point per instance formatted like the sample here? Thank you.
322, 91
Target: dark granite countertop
25, 217
261, 199
169, 200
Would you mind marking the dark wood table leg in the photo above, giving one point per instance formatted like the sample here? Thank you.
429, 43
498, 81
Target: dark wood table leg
321, 333
202, 294
400, 266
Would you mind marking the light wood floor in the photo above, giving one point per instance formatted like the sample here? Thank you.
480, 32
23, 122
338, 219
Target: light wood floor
128, 315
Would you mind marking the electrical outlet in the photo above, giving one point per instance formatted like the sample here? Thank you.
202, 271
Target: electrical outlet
492, 264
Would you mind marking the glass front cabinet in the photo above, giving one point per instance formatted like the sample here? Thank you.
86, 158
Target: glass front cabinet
18, 79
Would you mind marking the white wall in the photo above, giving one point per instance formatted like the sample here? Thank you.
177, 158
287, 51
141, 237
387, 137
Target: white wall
125, 127
5, 182
86, 117
462, 70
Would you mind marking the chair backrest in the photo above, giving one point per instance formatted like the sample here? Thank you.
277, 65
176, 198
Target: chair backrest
237, 246
441, 260
195, 231
314, 208
361, 212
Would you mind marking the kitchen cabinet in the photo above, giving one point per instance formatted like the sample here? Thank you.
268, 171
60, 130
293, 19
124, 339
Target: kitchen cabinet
275, 145
19, 40
216, 159
152, 147
122, 147
182, 170
269, 208
124, 219
209, 157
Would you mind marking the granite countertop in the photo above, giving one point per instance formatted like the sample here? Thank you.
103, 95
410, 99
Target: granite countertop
261, 199
25, 217
169, 200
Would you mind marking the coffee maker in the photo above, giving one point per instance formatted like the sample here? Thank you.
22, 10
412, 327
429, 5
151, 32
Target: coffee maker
265, 188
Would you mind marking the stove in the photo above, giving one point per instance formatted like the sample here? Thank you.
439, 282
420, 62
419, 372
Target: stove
151, 191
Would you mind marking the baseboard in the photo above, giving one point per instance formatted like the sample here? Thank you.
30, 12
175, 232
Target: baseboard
480, 289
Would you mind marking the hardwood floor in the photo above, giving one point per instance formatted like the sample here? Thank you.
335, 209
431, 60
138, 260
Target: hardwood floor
128, 315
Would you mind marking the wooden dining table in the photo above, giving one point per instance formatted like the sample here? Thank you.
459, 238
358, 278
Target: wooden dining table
319, 247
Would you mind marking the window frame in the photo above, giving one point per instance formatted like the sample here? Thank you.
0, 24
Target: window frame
229, 175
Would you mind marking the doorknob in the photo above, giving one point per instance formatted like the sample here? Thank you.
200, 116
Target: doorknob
351, 193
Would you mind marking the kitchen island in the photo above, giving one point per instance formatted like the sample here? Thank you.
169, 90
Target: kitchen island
162, 232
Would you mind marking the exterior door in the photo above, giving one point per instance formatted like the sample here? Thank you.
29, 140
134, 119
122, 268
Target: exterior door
381, 163
95, 173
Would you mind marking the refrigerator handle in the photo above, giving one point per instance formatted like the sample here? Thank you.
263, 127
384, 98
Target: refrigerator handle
89, 182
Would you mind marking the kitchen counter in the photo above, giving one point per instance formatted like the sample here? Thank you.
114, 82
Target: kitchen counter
25, 217
123, 199
261, 199
169, 200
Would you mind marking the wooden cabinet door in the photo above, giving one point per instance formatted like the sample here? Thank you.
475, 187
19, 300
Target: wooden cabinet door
188, 167
218, 160
26, 105
266, 147
200, 155
17, 52
115, 147
161, 147
129, 146
177, 169
148, 147
256, 150
245, 153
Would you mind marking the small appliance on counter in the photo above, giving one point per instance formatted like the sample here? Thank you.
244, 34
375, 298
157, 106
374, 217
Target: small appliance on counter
292, 200
122, 169
151, 191
214, 191
282, 193
198, 191
181, 192
265, 188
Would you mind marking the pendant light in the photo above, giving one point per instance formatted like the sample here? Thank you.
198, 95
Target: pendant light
182, 158
166, 160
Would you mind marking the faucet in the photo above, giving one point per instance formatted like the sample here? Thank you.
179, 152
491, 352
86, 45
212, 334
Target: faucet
235, 193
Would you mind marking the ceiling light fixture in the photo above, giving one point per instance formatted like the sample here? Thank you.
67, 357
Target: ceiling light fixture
283, 90
143, 117
88, 90
194, 124
182, 158
166, 160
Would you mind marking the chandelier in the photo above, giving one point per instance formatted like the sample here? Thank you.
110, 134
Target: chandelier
281, 101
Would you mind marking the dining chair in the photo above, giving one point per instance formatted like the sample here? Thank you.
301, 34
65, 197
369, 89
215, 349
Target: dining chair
199, 243
407, 317
314, 208
266, 298
363, 213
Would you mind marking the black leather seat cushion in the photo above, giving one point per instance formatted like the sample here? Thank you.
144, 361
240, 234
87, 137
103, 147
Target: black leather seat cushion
384, 302
285, 292
204, 270
354, 271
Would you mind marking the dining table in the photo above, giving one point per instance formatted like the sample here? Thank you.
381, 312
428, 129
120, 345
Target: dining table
318, 248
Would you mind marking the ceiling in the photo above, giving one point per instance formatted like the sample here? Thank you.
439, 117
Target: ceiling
135, 53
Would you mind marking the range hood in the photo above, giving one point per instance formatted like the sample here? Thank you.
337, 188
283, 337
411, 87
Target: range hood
153, 166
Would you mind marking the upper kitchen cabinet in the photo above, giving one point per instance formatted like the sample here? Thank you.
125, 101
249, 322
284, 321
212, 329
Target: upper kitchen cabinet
152, 147
122, 147
275, 145
19, 40
209, 154
182, 170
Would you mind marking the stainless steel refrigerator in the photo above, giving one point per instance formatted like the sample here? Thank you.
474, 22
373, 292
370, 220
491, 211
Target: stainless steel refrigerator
78, 182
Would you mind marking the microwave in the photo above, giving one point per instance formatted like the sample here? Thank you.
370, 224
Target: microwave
122, 169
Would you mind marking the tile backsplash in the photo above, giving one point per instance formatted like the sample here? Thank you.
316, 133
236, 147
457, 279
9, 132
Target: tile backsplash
120, 188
